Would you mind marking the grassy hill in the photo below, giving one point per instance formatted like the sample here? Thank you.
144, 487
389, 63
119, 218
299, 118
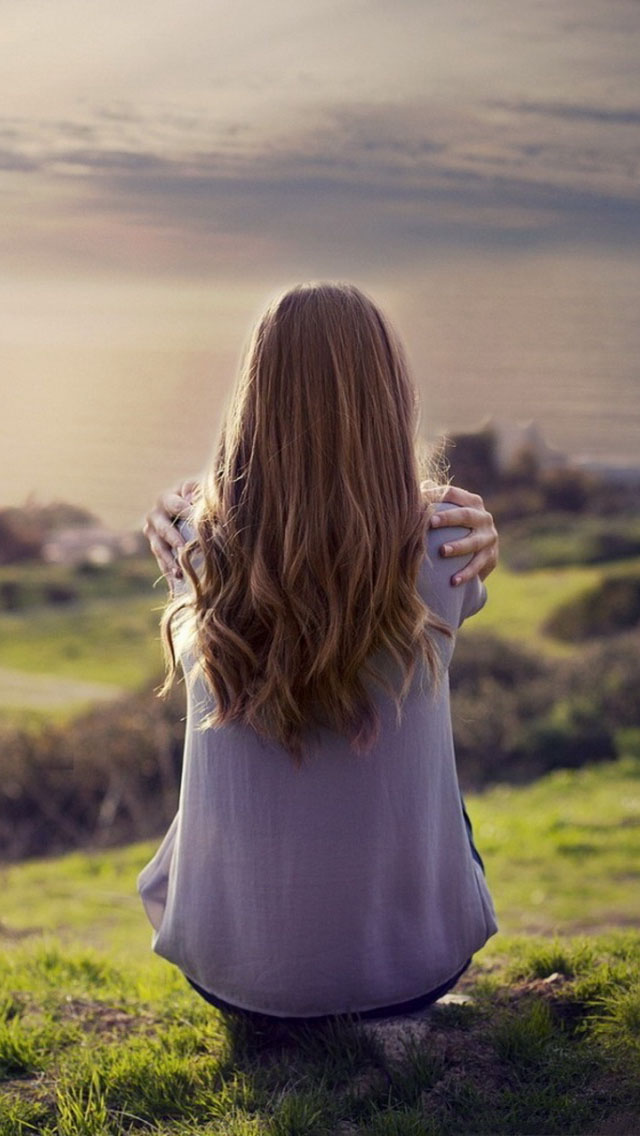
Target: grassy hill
109, 632
99, 1036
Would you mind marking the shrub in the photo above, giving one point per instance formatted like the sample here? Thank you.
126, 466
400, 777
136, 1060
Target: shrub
12, 596
515, 717
472, 458
60, 594
567, 489
546, 540
109, 777
480, 656
509, 505
612, 605
112, 775
610, 672
21, 536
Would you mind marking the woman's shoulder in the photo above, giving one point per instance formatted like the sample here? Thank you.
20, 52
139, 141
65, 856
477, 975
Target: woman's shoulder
454, 603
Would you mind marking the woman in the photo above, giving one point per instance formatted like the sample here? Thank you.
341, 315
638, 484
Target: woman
321, 860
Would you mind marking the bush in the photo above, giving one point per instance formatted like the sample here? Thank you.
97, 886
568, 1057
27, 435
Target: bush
570, 735
612, 605
12, 596
610, 672
110, 777
479, 657
21, 536
546, 540
60, 594
472, 458
508, 505
516, 717
612, 544
567, 489
113, 775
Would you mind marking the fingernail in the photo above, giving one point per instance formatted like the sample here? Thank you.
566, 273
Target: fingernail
457, 579
446, 548
435, 521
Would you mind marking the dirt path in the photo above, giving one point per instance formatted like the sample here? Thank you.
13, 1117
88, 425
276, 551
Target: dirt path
50, 692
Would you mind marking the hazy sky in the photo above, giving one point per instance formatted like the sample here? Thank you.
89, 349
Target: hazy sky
202, 138
166, 165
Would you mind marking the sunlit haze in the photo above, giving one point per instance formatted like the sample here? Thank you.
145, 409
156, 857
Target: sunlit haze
167, 168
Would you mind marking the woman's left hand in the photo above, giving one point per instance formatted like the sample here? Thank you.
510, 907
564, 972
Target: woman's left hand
483, 540
165, 540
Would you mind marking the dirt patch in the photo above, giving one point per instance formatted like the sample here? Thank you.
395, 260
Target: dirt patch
555, 990
461, 1050
100, 1017
17, 933
51, 692
620, 1124
394, 1035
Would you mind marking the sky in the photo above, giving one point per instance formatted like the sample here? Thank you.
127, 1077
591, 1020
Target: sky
166, 168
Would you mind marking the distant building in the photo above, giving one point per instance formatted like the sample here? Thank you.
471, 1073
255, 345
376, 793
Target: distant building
513, 437
609, 471
89, 545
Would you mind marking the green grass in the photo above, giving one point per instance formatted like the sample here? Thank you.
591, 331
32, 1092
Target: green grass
30, 718
33, 583
519, 603
564, 852
114, 638
100, 1036
549, 1043
96, 641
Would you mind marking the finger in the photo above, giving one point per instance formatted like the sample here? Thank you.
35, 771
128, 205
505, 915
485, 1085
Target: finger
160, 527
188, 488
165, 553
172, 504
460, 496
465, 517
164, 559
477, 566
475, 542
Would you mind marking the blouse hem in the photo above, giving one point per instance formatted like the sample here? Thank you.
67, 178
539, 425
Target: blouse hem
384, 1005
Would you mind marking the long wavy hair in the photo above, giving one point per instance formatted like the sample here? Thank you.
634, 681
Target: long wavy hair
310, 528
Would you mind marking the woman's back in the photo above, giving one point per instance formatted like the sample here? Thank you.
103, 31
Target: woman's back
343, 885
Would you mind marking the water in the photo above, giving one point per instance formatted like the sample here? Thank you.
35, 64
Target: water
111, 418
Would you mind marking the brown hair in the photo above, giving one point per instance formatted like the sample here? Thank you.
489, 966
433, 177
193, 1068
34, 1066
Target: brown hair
310, 528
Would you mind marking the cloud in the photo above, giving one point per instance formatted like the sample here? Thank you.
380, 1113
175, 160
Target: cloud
376, 181
14, 160
573, 112
96, 160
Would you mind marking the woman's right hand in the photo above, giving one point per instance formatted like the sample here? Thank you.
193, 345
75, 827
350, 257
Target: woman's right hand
483, 539
165, 540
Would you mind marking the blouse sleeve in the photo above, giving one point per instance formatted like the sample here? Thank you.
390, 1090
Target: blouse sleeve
474, 598
454, 604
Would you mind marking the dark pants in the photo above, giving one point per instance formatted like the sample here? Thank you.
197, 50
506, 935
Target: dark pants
474, 851
398, 1008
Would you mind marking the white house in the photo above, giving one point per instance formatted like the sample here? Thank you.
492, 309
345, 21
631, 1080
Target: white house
88, 545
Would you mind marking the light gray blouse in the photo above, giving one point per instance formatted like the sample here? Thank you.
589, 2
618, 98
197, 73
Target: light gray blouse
340, 887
